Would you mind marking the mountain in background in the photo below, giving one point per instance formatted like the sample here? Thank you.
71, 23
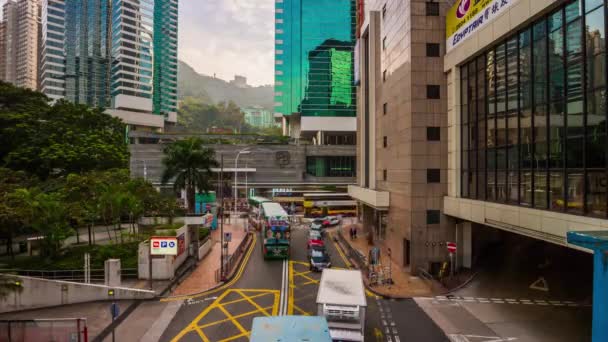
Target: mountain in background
214, 90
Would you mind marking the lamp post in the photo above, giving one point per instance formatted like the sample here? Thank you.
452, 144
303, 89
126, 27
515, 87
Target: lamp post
236, 163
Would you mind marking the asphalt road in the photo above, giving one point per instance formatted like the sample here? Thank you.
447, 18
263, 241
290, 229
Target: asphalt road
227, 314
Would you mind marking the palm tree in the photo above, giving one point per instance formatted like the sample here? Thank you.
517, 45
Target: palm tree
189, 163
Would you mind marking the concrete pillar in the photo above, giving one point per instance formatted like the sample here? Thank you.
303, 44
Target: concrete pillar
112, 272
467, 245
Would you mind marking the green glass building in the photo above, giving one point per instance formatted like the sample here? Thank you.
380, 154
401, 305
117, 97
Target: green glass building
314, 62
165, 55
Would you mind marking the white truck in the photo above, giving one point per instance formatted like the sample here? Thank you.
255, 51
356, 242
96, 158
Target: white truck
341, 300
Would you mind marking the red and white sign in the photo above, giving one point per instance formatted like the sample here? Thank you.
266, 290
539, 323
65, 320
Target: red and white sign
451, 247
163, 245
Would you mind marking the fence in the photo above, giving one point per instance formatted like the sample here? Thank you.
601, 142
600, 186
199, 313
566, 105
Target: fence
97, 275
233, 259
359, 259
57, 330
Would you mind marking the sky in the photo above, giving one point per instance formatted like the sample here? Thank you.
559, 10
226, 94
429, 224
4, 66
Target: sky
228, 37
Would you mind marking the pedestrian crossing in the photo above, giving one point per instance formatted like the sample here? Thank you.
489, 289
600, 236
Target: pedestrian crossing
508, 301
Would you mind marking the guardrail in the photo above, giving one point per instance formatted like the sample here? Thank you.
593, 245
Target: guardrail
97, 275
233, 259
359, 259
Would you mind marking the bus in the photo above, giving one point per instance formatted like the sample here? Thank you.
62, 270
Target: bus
275, 231
332, 204
255, 207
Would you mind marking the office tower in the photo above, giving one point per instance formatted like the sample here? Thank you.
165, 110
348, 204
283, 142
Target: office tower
2, 50
401, 130
113, 54
20, 42
314, 90
165, 58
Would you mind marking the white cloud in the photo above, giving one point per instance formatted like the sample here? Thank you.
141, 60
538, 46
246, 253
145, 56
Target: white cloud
229, 37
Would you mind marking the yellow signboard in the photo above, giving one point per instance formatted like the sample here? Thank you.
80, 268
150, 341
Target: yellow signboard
468, 16
461, 13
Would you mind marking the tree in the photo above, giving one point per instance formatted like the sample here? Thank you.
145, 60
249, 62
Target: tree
189, 164
10, 222
57, 139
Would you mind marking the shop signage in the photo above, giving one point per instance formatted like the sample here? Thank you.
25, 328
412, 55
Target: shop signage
163, 245
468, 16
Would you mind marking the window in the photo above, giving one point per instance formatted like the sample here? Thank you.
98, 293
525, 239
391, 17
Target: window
433, 133
385, 108
385, 142
384, 43
433, 175
383, 11
432, 9
384, 174
533, 109
433, 217
331, 166
384, 76
432, 50
433, 92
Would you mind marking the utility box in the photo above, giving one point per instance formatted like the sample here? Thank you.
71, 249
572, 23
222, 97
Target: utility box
112, 273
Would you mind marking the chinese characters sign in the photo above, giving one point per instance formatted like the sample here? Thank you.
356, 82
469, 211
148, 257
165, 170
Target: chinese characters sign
163, 245
469, 16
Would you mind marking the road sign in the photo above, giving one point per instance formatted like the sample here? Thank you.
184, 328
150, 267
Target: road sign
227, 237
163, 245
540, 284
451, 247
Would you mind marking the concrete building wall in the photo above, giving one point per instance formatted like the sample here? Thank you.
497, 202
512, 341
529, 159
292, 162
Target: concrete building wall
397, 128
39, 293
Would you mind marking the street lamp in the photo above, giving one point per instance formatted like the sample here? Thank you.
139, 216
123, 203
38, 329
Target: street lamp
236, 161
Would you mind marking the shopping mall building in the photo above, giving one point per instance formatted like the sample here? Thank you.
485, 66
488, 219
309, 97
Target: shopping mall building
508, 129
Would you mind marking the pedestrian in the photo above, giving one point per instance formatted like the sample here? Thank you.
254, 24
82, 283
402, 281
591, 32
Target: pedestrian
350, 231
355, 232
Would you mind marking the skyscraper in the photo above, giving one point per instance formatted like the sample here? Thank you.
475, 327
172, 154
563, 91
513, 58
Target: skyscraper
314, 90
20, 43
113, 54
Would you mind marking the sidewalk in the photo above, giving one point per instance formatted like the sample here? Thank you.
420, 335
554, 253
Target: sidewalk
405, 285
203, 276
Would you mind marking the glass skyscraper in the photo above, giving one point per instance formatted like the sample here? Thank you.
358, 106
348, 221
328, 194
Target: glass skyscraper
314, 59
115, 54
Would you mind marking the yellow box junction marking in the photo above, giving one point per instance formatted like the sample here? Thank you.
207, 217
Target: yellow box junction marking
246, 295
236, 277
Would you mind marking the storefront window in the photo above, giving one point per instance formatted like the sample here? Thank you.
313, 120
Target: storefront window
535, 108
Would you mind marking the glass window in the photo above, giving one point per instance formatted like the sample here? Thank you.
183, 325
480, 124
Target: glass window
540, 189
596, 193
576, 186
433, 176
526, 188
556, 188
433, 217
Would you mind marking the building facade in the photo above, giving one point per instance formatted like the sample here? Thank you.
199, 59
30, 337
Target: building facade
401, 135
19, 37
527, 118
314, 68
257, 116
110, 54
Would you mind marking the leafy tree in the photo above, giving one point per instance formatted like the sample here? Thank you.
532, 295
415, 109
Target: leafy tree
189, 164
57, 139
11, 224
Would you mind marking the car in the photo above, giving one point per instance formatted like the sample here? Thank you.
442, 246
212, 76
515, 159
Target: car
332, 220
315, 226
318, 258
315, 239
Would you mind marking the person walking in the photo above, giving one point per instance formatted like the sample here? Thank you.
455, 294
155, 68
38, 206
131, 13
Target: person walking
355, 232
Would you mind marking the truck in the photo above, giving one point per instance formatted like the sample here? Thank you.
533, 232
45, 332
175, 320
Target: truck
341, 300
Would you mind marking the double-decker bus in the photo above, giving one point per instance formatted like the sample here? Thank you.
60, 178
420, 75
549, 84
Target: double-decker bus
324, 204
255, 207
275, 231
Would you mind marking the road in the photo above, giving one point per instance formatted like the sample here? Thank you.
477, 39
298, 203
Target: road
227, 313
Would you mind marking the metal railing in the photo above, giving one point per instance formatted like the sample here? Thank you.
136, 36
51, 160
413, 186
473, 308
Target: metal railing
359, 259
97, 275
233, 259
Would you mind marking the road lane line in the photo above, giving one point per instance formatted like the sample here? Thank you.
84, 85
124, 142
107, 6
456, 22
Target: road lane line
282, 299
222, 287
247, 298
232, 320
201, 334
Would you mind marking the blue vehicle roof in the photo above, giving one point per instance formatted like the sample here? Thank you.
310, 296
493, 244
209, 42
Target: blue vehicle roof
290, 328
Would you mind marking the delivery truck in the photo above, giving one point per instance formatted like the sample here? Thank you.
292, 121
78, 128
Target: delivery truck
341, 300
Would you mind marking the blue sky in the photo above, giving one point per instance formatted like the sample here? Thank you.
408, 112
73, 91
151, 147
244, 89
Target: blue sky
227, 37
